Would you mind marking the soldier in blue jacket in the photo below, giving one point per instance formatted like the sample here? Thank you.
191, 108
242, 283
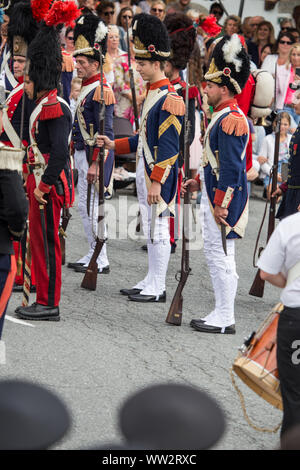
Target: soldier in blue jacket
88, 30
157, 147
224, 187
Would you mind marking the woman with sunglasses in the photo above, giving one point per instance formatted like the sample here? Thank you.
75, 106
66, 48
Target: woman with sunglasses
158, 9
124, 21
278, 65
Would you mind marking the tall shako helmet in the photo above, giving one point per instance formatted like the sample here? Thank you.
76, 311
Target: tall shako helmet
90, 33
150, 38
229, 65
44, 53
182, 34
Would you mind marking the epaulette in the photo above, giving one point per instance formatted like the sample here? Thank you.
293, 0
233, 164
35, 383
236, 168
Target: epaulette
235, 123
174, 104
51, 109
67, 62
108, 95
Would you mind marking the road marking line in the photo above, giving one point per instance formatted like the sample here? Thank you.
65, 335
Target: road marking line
21, 322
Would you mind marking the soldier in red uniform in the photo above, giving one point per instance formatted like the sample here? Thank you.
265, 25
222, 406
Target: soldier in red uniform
49, 183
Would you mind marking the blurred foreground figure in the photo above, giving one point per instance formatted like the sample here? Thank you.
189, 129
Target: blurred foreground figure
172, 416
31, 417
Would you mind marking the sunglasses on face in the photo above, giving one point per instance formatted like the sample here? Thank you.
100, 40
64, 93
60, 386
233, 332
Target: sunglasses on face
285, 42
157, 10
109, 13
127, 17
216, 12
71, 38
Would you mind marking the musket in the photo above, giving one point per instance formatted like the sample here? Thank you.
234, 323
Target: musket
257, 288
135, 108
132, 84
66, 216
89, 189
174, 316
90, 278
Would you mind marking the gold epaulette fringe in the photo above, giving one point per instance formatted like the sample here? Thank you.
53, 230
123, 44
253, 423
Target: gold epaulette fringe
68, 63
235, 123
108, 95
174, 104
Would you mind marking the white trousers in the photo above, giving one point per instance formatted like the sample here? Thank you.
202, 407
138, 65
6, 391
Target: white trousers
222, 268
89, 222
159, 251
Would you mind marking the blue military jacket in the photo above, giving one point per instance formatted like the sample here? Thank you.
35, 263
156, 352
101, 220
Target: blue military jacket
89, 109
226, 177
160, 129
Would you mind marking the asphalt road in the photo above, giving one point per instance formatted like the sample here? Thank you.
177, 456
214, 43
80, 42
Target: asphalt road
105, 347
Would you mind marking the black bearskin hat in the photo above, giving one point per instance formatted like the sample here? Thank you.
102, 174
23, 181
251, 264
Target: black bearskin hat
45, 59
9, 6
182, 36
89, 32
22, 28
230, 65
150, 38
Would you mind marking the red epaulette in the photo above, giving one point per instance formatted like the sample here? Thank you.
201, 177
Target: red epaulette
235, 122
51, 109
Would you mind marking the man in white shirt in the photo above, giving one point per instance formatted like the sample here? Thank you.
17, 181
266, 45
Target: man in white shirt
280, 265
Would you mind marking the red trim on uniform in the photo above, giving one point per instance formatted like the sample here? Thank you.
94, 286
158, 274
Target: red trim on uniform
198, 179
52, 108
45, 188
25, 168
219, 196
122, 146
94, 79
95, 154
232, 103
157, 173
159, 84
8, 285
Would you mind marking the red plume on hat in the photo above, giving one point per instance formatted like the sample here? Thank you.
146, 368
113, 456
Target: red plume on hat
209, 25
59, 13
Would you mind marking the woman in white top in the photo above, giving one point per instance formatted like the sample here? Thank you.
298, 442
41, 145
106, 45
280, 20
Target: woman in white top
266, 153
278, 64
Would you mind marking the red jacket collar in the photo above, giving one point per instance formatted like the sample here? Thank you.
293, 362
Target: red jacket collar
93, 79
159, 84
178, 80
20, 79
52, 94
232, 103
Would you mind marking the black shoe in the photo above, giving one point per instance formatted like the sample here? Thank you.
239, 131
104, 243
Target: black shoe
204, 328
196, 322
130, 291
21, 306
144, 248
19, 288
83, 269
173, 248
74, 265
38, 312
148, 298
